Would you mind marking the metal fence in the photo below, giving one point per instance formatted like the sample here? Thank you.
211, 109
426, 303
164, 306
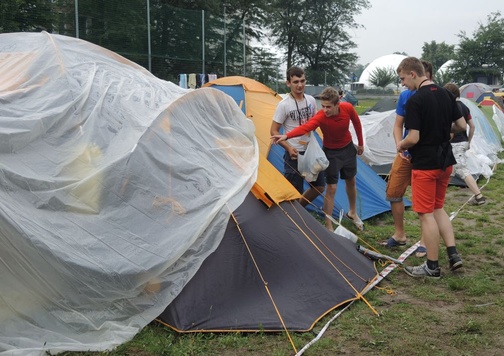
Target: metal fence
168, 41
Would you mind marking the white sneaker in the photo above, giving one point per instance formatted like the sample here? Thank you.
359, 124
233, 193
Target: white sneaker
423, 271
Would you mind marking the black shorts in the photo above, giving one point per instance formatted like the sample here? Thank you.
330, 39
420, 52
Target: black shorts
342, 163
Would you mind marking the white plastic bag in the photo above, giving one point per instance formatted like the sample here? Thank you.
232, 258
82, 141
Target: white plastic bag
313, 161
343, 231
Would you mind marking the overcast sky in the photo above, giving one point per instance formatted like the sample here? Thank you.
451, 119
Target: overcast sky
405, 25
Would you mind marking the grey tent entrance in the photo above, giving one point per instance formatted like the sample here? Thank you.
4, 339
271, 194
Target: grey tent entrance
276, 268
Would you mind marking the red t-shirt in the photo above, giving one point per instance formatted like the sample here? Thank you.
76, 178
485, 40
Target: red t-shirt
334, 128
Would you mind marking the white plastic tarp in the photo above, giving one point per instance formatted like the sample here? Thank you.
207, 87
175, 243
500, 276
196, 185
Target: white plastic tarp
380, 148
485, 145
379, 144
498, 118
114, 187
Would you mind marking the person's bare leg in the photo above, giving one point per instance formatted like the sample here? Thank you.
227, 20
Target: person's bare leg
430, 235
472, 185
310, 194
351, 191
330, 193
445, 227
397, 208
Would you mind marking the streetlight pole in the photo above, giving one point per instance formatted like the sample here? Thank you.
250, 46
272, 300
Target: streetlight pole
225, 40
149, 37
244, 46
76, 18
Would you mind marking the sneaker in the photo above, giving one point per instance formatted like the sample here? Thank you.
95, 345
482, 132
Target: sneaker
455, 262
423, 271
477, 201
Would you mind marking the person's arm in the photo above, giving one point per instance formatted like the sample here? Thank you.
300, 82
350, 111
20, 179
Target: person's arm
409, 141
459, 125
309, 126
472, 128
275, 131
398, 128
358, 130
398, 133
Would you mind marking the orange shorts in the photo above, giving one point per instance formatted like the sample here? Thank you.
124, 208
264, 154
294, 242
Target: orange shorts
399, 179
428, 189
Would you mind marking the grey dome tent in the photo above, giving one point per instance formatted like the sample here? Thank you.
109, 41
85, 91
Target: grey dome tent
276, 268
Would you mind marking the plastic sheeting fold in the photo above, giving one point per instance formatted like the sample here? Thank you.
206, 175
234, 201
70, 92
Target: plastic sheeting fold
114, 188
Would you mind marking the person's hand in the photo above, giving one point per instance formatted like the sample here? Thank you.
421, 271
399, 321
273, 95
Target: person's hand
293, 153
360, 150
405, 155
275, 139
399, 148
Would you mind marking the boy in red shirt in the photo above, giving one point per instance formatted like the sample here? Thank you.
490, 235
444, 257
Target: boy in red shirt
334, 120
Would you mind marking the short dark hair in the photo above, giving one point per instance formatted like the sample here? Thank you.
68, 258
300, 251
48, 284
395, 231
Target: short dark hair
330, 94
294, 72
453, 88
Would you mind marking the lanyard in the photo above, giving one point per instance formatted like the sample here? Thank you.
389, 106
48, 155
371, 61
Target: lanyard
297, 107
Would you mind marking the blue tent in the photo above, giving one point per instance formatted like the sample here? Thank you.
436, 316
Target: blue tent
370, 187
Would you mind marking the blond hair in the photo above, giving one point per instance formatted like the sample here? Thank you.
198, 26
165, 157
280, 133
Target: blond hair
411, 64
330, 94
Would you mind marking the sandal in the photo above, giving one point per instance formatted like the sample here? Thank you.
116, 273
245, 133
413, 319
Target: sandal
356, 221
392, 243
421, 251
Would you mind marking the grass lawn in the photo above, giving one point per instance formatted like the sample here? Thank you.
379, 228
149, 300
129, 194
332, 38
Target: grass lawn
365, 104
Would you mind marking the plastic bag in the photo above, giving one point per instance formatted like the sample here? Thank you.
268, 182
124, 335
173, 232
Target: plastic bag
344, 232
313, 161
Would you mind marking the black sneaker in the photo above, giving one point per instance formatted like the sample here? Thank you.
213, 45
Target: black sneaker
477, 201
455, 262
423, 271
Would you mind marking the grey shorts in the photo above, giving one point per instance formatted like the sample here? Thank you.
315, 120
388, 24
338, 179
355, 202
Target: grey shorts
342, 163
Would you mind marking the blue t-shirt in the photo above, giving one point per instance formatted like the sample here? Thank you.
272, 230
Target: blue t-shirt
401, 102
401, 109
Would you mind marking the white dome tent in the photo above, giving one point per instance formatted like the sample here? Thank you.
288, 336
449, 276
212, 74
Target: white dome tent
443, 71
446, 66
387, 61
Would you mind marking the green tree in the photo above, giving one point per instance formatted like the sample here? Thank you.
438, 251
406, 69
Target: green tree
313, 34
437, 53
481, 54
286, 20
325, 44
264, 67
27, 15
356, 70
230, 28
381, 77
442, 78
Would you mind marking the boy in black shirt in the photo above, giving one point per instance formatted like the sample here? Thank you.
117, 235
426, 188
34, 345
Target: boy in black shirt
431, 114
